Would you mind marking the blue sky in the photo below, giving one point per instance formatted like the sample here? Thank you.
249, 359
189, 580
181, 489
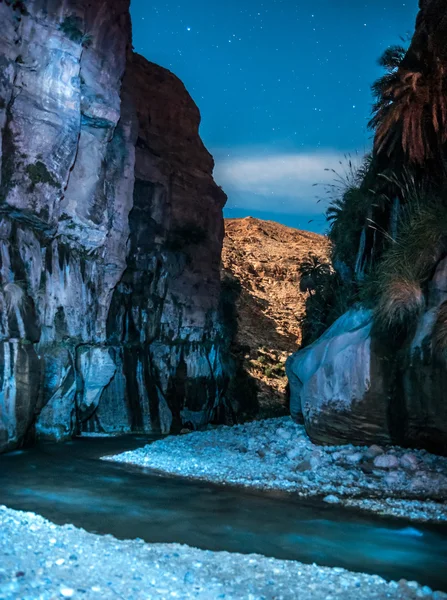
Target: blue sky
283, 87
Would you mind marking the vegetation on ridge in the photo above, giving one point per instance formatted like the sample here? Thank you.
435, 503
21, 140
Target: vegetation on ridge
388, 217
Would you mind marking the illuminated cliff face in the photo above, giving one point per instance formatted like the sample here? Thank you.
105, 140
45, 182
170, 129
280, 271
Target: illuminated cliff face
111, 231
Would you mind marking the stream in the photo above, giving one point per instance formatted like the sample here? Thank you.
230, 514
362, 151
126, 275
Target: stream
68, 483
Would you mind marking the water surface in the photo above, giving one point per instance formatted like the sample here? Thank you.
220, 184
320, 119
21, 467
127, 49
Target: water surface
68, 483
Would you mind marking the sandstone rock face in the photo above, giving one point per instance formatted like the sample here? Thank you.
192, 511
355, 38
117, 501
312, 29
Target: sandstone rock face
110, 233
351, 389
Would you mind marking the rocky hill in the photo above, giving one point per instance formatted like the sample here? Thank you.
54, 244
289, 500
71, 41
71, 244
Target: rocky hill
264, 257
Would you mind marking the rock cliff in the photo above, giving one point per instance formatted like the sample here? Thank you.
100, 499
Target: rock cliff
110, 234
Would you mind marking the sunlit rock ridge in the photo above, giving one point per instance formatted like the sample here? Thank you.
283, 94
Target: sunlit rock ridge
111, 231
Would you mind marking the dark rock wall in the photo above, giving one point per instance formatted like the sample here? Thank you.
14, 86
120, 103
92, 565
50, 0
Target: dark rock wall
110, 233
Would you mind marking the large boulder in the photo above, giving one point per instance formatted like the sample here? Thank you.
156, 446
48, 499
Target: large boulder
337, 386
349, 387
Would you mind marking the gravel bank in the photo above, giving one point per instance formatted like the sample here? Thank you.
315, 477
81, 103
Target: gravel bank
277, 454
40, 560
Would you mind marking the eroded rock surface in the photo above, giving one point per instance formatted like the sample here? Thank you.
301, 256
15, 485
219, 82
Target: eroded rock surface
351, 387
111, 231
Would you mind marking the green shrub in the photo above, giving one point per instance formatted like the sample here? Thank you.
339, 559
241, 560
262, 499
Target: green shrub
313, 271
329, 296
330, 301
350, 202
279, 369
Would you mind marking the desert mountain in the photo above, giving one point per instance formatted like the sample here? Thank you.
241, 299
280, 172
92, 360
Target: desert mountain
264, 256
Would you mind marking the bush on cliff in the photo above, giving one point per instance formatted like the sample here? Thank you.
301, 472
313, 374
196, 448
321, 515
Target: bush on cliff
388, 219
408, 263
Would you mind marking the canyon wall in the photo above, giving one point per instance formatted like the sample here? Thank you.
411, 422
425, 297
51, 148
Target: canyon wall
111, 231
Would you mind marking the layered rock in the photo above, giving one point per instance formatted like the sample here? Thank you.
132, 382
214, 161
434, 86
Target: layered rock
111, 231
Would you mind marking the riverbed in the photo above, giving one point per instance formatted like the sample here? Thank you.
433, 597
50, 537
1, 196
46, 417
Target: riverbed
69, 484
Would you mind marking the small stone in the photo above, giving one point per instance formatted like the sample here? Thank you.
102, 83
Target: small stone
67, 592
315, 462
409, 461
393, 478
189, 577
331, 499
293, 453
355, 458
304, 465
386, 461
426, 590
373, 451
283, 433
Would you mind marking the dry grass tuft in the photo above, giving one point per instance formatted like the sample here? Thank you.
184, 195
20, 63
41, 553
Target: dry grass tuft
408, 263
401, 302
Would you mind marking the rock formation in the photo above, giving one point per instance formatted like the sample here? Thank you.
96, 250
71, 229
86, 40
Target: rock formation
264, 257
110, 233
351, 386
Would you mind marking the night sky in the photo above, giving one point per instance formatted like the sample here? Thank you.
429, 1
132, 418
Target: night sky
283, 87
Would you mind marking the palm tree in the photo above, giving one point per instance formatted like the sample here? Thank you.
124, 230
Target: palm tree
411, 104
314, 272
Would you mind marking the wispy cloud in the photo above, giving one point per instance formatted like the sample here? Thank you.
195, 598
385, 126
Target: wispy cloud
278, 182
